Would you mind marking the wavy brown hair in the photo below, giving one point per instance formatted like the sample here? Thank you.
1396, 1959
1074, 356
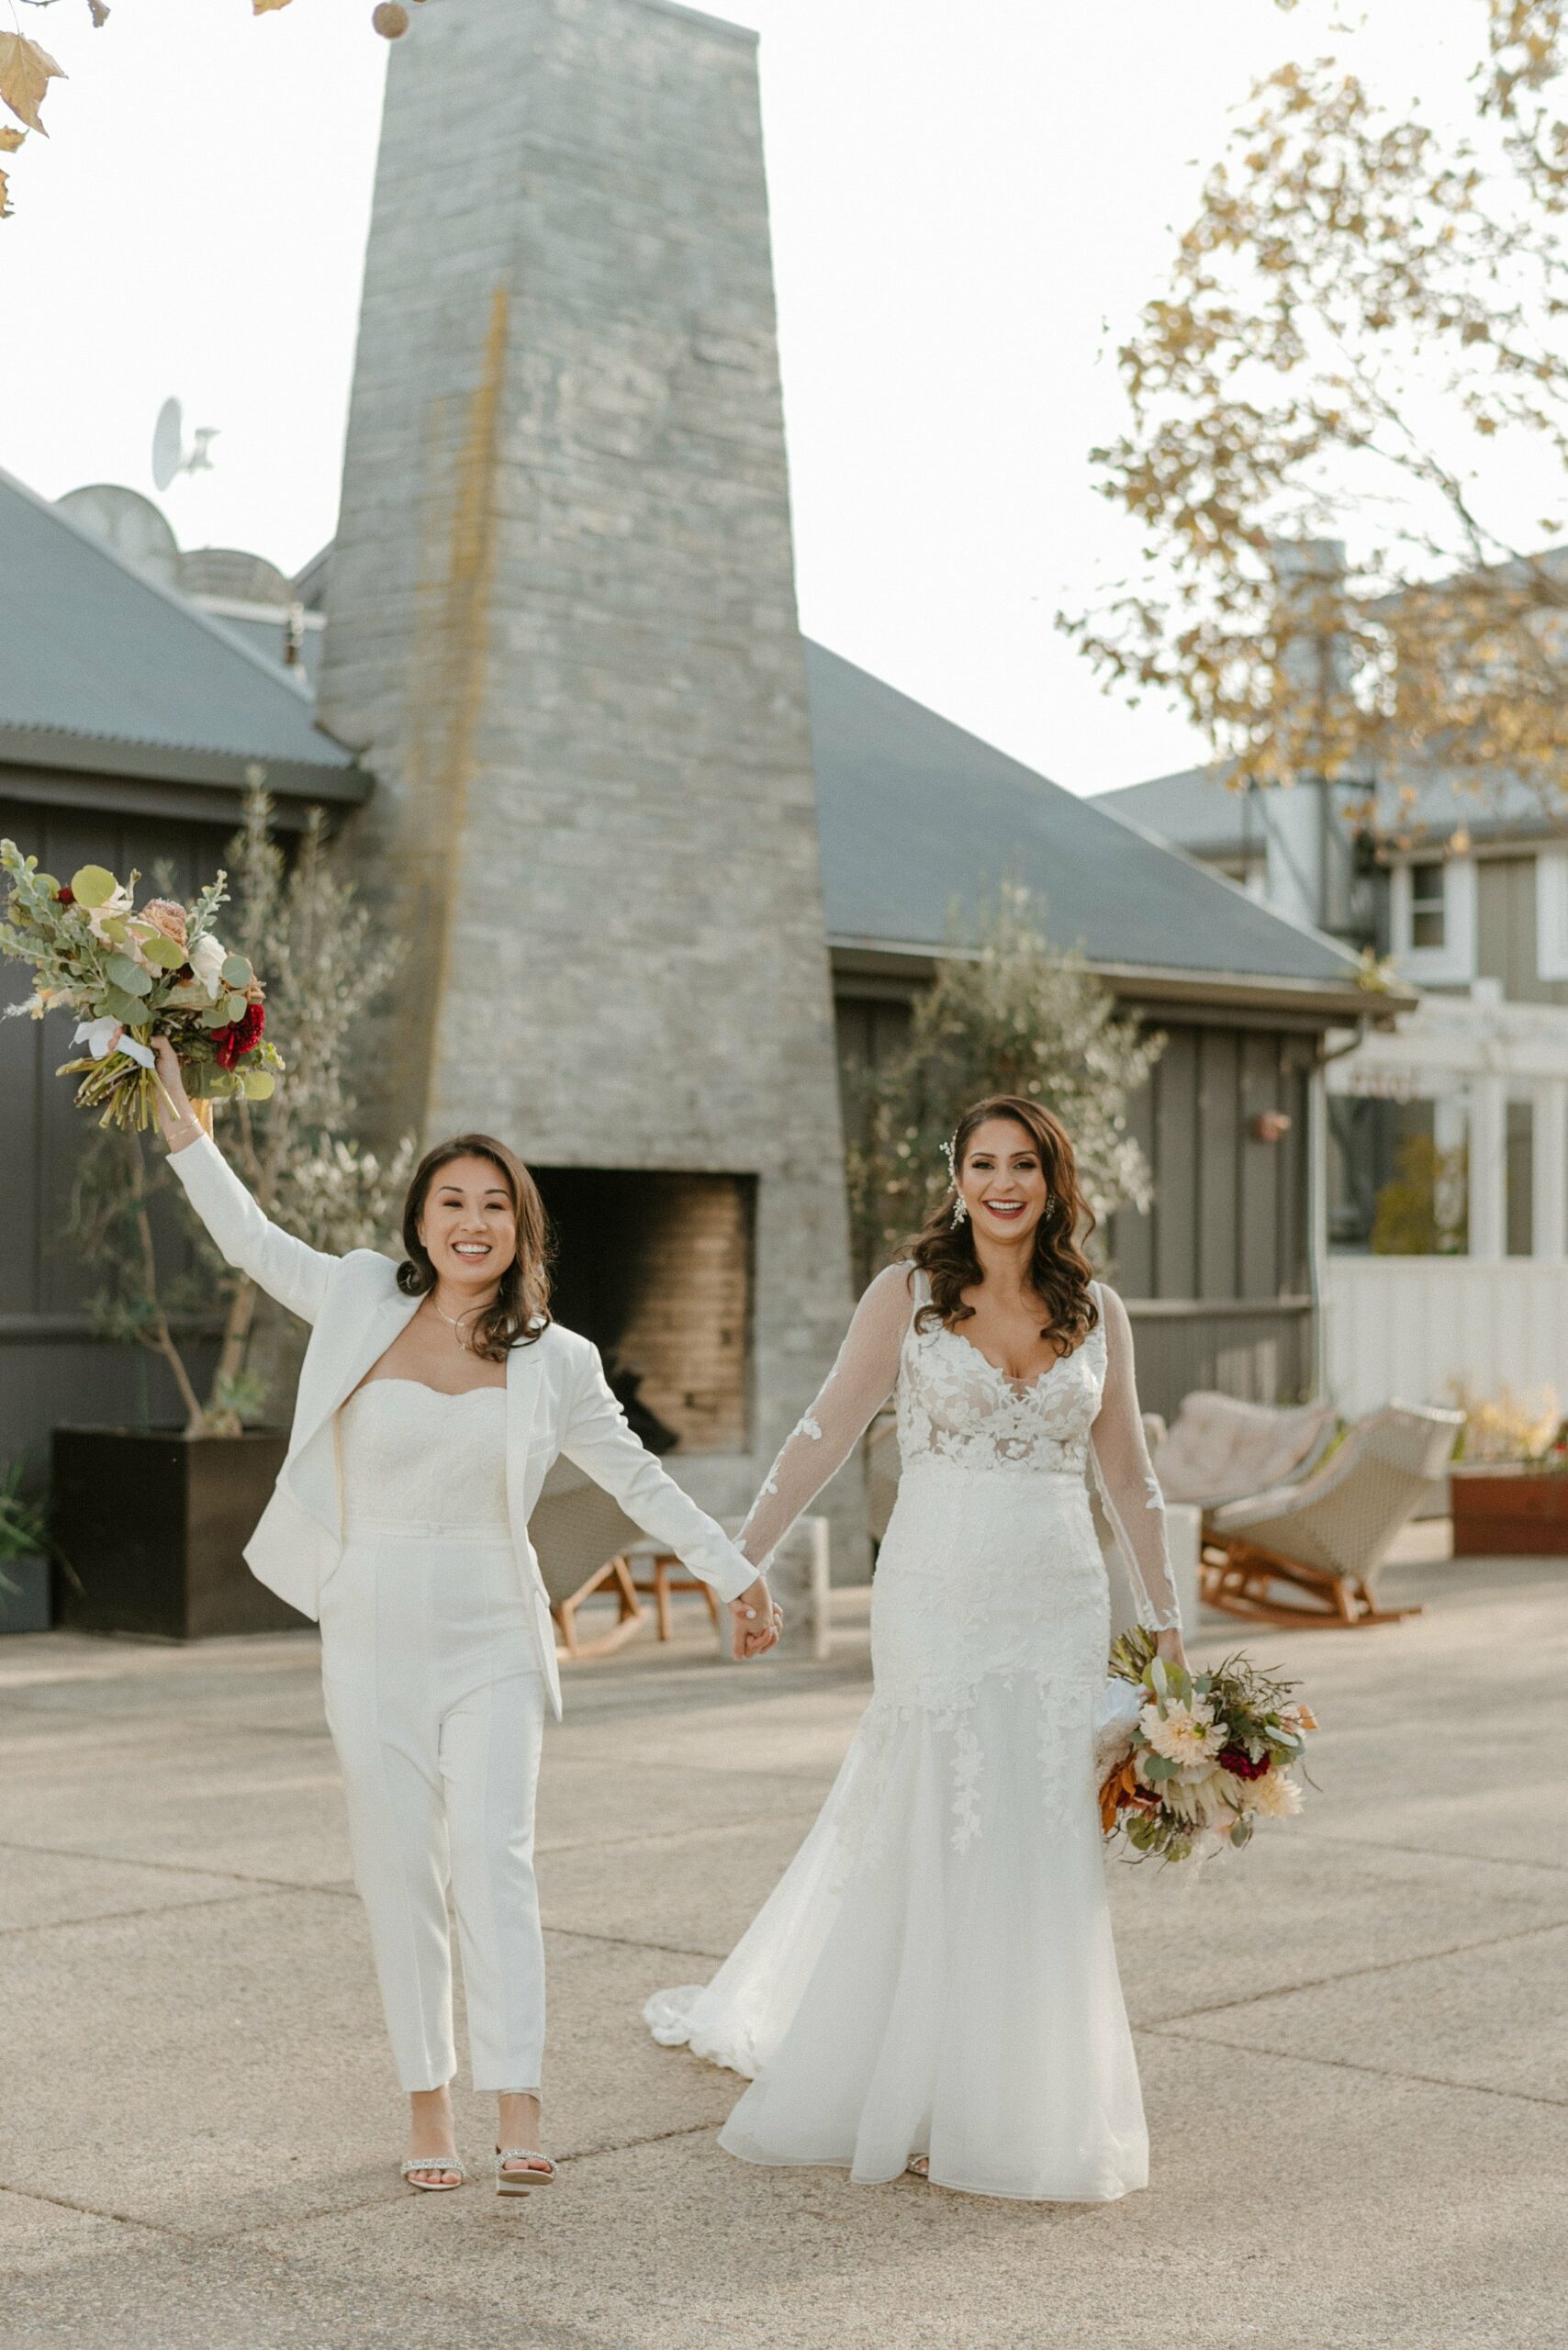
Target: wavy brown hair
519, 1314
1059, 1272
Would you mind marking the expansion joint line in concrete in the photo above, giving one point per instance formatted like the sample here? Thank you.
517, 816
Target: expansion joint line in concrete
635, 1941
548, 2337
708, 1833
1349, 2064
115, 1917
171, 1868
1354, 1973
378, 2202
632, 2145
1429, 1852
97, 2212
315, 1735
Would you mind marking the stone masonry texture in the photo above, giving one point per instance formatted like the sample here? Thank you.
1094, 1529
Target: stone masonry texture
563, 633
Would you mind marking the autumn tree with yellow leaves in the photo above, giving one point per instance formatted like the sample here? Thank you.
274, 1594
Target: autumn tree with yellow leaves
27, 69
1364, 330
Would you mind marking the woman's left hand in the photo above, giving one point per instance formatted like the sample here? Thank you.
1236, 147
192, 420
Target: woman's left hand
756, 1621
1168, 1648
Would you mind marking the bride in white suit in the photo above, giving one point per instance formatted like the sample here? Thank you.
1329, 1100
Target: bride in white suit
435, 1396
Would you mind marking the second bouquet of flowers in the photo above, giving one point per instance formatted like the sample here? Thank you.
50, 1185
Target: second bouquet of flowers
129, 973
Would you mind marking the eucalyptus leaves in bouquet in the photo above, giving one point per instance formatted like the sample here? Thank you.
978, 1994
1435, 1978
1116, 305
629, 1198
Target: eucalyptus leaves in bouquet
1012, 1014
296, 1148
127, 971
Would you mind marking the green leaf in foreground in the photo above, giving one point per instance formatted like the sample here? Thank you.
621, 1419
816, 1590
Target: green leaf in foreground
92, 886
128, 977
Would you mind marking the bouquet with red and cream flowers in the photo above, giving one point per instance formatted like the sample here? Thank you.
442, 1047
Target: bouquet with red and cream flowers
131, 973
1192, 1761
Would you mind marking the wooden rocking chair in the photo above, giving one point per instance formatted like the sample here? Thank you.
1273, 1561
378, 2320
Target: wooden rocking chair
580, 1536
1324, 1538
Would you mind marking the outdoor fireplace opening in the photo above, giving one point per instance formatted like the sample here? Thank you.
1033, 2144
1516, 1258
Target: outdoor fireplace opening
655, 1268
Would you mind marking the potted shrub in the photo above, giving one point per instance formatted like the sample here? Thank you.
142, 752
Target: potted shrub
24, 1557
149, 1523
1509, 1486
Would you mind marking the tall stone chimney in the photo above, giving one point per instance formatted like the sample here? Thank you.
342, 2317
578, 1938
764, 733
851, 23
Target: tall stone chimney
561, 629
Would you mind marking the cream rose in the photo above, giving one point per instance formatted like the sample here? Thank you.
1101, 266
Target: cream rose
207, 960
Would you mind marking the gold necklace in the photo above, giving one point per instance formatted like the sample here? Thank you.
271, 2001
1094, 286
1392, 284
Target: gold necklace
456, 1326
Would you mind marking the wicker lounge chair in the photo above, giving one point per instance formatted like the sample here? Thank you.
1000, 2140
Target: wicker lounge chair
1219, 1449
1324, 1539
581, 1535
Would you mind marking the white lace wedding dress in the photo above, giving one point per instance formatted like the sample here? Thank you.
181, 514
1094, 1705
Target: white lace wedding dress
934, 1974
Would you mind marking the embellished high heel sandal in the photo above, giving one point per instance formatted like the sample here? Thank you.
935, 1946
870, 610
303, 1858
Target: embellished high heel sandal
522, 2182
433, 2162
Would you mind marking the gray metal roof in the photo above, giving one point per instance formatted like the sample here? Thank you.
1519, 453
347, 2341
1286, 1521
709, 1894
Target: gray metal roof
1195, 811
101, 668
1191, 811
920, 820
1492, 808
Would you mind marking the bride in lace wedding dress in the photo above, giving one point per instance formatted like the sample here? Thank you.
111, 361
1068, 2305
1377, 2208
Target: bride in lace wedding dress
932, 1983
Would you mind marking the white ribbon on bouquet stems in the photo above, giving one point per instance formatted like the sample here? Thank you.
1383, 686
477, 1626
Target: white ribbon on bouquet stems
107, 1036
103, 1036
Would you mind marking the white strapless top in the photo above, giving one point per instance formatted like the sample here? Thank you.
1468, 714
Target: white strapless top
412, 1460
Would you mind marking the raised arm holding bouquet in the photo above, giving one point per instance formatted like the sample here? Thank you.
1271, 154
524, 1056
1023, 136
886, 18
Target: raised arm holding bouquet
435, 1396
125, 971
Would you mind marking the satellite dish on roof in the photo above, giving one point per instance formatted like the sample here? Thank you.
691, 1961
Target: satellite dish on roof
170, 457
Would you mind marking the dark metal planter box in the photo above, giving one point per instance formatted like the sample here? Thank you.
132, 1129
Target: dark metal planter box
152, 1525
1509, 1512
23, 1593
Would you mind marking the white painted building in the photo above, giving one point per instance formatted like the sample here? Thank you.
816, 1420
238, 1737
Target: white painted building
1471, 909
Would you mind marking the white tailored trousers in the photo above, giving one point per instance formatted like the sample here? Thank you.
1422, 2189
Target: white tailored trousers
436, 1707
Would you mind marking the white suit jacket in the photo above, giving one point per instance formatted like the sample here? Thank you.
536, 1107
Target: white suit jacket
558, 1401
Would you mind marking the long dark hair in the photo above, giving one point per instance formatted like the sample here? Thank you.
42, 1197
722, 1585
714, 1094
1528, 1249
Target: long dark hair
1059, 1272
519, 1314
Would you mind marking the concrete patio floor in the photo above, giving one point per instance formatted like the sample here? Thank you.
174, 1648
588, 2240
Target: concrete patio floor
1352, 2038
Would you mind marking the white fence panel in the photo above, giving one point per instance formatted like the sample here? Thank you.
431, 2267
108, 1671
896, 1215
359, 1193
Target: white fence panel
1412, 1328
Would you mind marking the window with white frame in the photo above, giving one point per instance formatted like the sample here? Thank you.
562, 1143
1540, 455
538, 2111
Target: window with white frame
1552, 913
1432, 906
1427, 898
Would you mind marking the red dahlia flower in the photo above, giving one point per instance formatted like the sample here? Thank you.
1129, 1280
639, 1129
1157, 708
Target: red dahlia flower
1240, 1763
233, 1043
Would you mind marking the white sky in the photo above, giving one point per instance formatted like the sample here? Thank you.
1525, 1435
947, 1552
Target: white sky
972, 198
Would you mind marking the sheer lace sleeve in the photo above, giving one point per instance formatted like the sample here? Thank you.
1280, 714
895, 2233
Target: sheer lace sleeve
1124, 1474
854, 1390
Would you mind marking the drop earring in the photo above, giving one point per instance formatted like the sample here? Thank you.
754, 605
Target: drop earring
960, 1213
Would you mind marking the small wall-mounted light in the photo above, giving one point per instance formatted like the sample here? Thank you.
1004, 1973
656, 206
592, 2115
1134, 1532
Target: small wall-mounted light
1270, 1125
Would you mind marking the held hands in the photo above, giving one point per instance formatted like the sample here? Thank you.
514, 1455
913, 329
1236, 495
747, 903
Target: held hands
756, 1621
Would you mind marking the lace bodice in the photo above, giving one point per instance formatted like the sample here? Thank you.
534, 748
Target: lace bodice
1081, 1413
954, 1404
413, 1461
